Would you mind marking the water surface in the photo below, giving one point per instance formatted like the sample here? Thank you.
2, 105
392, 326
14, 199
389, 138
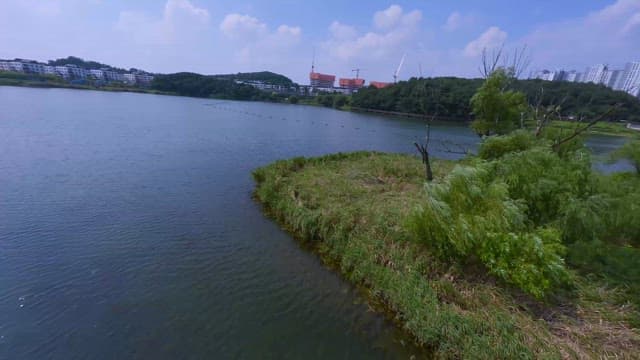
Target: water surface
127, 229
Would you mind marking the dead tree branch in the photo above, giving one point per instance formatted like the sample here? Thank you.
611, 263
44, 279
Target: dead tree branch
581, 130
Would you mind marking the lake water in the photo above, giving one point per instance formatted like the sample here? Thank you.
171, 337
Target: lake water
127, 229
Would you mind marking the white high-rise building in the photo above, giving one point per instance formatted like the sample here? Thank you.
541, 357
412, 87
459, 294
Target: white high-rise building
631, 82
595, 74
570, 76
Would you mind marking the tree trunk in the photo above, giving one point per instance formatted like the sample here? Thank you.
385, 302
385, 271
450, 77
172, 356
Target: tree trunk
427, 165
425, 160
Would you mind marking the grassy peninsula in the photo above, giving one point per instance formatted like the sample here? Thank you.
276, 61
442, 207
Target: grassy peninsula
519, 251
353, 210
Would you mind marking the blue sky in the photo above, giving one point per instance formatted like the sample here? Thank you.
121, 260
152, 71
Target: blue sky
216, 36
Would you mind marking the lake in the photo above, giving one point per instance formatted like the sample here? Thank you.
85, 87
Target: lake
127, 229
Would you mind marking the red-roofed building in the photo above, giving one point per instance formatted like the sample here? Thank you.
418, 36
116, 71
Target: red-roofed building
351, 84
317, 80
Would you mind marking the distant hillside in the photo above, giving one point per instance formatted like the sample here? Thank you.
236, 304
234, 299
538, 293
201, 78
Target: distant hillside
264, 76
81, 63
450, 97
196, 85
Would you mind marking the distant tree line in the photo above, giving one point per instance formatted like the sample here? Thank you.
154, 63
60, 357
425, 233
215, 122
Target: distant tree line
196, 85
450, 97
263, 76
84, 64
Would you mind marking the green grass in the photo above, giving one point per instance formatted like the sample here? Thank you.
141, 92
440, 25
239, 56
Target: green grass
601, 128
351, 209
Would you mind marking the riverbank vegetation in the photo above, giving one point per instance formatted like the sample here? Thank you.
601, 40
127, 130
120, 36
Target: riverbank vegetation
519, 251
9, 78
450, 97
421, 255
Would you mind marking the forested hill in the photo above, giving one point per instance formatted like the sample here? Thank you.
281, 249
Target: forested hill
84, 64
263, 76
196, 85
450, 97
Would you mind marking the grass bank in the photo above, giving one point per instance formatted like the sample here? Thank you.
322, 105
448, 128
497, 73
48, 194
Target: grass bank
351, 210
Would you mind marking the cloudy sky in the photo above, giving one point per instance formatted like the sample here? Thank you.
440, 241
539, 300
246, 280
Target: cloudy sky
220, 36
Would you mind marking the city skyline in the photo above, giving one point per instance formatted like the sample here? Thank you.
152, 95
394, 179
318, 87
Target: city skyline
625, 79
212, 37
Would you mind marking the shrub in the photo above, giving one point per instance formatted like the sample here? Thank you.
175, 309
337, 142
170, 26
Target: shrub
497, 110
545, 181
496, 146
470, 216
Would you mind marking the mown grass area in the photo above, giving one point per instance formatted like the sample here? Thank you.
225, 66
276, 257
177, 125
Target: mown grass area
352, 210
601, 128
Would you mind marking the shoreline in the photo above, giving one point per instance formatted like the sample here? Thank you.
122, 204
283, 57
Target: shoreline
611, 129
348, 209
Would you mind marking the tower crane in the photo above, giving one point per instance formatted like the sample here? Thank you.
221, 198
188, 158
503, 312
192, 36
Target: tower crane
395, 75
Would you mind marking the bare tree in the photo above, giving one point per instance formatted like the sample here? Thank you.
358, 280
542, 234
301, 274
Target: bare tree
514, 64
581, 130
490, 61
543, 114
423, 149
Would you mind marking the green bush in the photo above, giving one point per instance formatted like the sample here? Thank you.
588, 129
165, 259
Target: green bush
544, 180
470, 217
497, 110
496, 146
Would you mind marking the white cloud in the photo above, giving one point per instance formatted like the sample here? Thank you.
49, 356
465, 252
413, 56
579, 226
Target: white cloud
387, 18
291, 32
174, 9
342, 32
254, 41
609, 35
395, 29
178, 17
456, 21
632, 23
493, 37
242, 27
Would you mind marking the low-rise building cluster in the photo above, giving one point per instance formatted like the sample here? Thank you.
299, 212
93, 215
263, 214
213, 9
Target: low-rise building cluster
71, 72
627, 79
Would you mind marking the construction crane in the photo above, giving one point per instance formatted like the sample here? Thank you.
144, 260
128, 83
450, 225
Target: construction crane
395, 75
357, 71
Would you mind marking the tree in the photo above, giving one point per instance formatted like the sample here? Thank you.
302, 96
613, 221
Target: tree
497, 109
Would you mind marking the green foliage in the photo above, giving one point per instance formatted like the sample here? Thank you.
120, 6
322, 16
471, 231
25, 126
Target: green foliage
325, 100
445, 96
81, 63
190, 84
630, 152
621, 217
293, 99
11, 75
450, 97
618, 265
497, 110
495, 147
544, 180
471, 216
340, 100
264, 76
350, 209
